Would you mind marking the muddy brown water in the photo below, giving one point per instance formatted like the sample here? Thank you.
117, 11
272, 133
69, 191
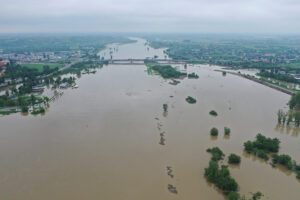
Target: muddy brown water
101, 141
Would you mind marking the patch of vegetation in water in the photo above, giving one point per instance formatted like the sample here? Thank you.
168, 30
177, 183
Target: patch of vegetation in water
213, 113
293, 115
227, 131
165, 107
193, 75
287, 162
214, 132
262, 146
234, 159
217, 154
191, 100
167, 71
38, 111
221, 178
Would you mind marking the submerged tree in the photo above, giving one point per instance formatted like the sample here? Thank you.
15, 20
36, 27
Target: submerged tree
294, 102
280, 115
165, 107
290, 117
214, 131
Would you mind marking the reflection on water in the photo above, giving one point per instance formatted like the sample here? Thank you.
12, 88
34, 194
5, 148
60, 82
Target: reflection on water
165, 114
212, 138
253, 157
233, 166
226, 137
103, 140
278, 167
287, 129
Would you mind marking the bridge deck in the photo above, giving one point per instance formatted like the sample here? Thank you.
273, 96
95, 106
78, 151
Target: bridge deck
143, 61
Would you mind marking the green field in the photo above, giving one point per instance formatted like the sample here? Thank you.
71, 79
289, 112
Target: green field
39, 67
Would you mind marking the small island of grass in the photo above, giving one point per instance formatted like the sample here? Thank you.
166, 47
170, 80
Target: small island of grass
191, 100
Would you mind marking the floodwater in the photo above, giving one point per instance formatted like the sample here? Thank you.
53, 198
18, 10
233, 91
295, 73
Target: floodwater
110, 139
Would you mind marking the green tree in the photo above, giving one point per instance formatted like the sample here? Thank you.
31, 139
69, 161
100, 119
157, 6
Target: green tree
233, 196
234, 159
214, 132
165, 107
226, 130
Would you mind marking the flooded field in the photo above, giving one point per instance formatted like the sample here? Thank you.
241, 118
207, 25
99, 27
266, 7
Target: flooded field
110, 139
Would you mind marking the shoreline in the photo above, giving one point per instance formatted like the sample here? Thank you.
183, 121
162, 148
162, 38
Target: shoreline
278, 88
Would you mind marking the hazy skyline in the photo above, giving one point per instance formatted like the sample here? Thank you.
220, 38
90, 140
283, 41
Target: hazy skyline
221, 16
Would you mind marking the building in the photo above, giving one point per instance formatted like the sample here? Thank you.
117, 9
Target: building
64, 86
38, 88
296, 76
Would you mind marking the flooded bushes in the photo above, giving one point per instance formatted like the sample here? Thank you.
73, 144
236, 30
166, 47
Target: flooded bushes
38, 111
233, 196
214, 132
193, 75
234, 159
286, 161
217, 154
261, 146
283, 159
221, 178
213, 113
227, 131
165, 107
191, 100
293, 115
294, 102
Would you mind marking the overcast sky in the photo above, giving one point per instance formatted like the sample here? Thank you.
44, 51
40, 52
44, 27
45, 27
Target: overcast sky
233, 16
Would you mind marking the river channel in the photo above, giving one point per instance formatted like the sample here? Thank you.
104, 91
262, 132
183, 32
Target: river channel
110, 139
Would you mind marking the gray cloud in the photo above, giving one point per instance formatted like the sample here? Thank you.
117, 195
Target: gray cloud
279, 16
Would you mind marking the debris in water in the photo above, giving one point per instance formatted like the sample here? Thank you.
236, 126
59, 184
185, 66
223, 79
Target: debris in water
172, 189
170, 171
162, 140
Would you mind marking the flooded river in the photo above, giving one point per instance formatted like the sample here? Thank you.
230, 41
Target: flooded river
104, 139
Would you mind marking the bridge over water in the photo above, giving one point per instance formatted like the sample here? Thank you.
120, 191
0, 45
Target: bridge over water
144, 61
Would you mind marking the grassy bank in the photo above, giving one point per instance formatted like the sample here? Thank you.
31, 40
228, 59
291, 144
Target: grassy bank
40, 67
